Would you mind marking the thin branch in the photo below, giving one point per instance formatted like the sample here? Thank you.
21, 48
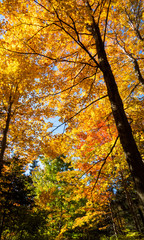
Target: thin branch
69, 88
77, 41
106, 21
43, 7
37, 32
64, 129
133, 27
101, 9
42, 55
104, 161
75, 28
78, 113
91, 86
23, 23
134, 60
101, 159
132, 91
61, 21
90, 168
96, 8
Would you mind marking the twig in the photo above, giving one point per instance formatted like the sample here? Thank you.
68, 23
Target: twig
78, 113
104, 161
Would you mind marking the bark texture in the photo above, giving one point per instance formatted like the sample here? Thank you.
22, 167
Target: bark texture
4, 138
127, 140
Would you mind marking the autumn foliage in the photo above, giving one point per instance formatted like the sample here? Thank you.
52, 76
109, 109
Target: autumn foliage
71, 96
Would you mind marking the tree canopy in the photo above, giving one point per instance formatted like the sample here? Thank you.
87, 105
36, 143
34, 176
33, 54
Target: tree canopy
79, 61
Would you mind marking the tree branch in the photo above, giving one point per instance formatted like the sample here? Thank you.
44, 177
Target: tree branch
78, 113
104, 161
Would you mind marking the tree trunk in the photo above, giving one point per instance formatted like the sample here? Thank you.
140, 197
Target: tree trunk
119, 222
4, 139
113, 221
141, 213
2, 223
130, 204
128, 143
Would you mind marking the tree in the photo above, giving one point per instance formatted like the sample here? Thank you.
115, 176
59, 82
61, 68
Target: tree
15, 197
77, 210
76, 38
18, 217
20, 125
52, 194
71, 213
